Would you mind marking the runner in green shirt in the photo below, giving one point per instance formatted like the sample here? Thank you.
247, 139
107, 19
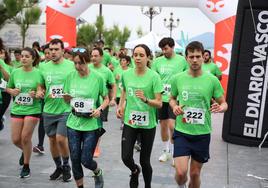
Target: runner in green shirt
140, 97
82, 89
56, 111
26, 108
210, 66
17, 62
194, 89
109, 82
167, 66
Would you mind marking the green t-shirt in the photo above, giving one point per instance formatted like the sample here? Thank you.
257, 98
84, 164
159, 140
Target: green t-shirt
105, 73
167, 68
137, 113
118, 72
8, 69
16, 64
24, 104
106, 58
115, 62
195, 93
85, 92
54, 76
211, 68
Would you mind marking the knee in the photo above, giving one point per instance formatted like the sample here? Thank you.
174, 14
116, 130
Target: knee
61, 140
181, 176
145, 163
16, 140
25, 139
89, 163
195, 173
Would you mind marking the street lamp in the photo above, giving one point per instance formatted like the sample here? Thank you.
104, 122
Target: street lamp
151, 12
171, 24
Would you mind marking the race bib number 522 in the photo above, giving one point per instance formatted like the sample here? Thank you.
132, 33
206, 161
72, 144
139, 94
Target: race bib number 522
56, 91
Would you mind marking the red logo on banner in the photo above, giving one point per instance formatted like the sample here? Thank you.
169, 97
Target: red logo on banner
67, 3
215, 5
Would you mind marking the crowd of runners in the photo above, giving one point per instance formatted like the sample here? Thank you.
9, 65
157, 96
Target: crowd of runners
67, 92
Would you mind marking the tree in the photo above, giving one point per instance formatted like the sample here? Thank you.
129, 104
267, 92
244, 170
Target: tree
86, 35
8, 10
123, 37
29, 14
100, 26
111, 35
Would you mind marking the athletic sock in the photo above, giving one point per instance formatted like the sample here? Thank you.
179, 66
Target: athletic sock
57, 161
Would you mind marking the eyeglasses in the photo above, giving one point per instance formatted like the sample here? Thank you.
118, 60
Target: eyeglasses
81, 50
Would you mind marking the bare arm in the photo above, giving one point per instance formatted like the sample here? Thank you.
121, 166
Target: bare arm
219, 106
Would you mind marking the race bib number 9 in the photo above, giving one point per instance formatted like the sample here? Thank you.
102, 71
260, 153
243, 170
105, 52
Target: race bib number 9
56, 91
82, 105
139, 118
24, 99
167, 89
194, 115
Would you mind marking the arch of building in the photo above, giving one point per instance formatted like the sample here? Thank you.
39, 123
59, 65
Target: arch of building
61, 21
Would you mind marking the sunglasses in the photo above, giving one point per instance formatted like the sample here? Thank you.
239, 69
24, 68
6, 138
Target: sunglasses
81, 50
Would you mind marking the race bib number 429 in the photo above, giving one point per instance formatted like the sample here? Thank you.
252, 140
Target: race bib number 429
194, 115
24, 99
139, 118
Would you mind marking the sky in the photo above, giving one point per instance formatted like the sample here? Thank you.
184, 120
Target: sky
192, 21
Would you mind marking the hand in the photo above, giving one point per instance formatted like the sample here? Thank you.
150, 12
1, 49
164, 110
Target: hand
178, 110
117, 77
67, 97
40, 94
14, 92
216, 108
96, 113
32, 94
119, 112
139, 93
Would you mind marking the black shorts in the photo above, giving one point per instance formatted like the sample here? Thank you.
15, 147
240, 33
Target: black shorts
16, 116
196, 146
117, 100
165, 112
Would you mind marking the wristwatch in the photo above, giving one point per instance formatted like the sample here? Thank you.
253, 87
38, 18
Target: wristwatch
100, 109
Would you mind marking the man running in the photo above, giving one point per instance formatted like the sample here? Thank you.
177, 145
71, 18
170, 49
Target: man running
210, 66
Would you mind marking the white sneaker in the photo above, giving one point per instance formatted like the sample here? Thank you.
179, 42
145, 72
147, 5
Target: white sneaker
165, 156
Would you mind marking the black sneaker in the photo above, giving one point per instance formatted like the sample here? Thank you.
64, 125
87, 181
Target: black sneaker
25, 173
56, 174
21, 161
99, 183
134, 178
66, 173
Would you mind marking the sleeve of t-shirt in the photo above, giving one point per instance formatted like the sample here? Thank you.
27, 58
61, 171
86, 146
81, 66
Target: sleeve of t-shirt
157, 84
186, 65
102, 87
11, 83
111, 79
218, 71
218, 90
174, 90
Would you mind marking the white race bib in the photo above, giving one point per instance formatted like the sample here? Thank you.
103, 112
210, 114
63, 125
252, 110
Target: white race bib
194, 115
82, 105
167, 89
3, 84
139, 118
56, 91
24, 99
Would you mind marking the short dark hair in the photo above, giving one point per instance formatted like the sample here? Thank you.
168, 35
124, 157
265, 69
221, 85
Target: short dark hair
195, 45
100, 41
209, 53
166, 41
17, 51
57, 41
98, 49
126, 57
145, 47
36, 44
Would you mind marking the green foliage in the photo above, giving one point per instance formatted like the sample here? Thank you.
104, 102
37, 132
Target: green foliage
123, 37
111, 35
86, 35
100, 26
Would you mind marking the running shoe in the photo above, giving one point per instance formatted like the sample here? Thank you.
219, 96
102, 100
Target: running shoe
56, 174
134, 178
165, 156
21, 161
25, 172
66, 173
99, 183
39, 149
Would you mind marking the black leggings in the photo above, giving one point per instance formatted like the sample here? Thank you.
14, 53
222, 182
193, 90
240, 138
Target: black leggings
41, 129
6, 98
129, 137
